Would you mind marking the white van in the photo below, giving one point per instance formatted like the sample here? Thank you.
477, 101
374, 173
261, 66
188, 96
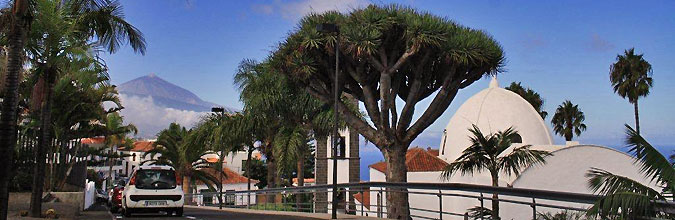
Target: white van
153, 188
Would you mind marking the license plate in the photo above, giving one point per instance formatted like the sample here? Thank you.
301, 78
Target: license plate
155, 203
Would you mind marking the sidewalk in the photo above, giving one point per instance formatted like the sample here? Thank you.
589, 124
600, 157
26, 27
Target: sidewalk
296, 214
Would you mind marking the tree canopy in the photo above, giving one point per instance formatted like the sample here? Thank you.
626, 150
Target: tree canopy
530, 96
388, 53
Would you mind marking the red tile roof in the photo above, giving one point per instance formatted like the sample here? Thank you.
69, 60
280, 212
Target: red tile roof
433, 151
143, 146
417, 160
94, 140
363, 198
230, 177
306, 180
212, 160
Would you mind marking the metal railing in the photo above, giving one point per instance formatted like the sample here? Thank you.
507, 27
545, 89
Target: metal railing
286, 199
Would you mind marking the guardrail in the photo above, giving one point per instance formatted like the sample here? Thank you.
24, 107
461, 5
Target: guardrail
304, 199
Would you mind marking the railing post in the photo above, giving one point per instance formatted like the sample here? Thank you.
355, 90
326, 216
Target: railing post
440, 205
363, 200
379, 203
481, 206
534, 209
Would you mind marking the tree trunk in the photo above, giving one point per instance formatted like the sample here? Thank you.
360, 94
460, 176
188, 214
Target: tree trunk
271, 178
71, 163
10, 95
301, 179
495, 196
397, 202
186, 185
110, 168
248, 174
43, 144
637, 118
321, 173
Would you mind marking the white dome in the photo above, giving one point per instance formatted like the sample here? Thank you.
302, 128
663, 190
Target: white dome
493, 109
566, 170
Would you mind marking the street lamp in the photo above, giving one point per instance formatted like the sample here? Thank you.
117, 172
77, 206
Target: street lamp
333, 28
220, 110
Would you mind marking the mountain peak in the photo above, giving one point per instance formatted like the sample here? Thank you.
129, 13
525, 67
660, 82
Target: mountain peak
164, 93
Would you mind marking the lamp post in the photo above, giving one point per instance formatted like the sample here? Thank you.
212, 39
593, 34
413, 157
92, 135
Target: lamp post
333, 28
220, 110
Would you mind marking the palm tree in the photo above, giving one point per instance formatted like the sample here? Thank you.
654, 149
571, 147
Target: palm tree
63, 30
485, 153
183, 150
82, 93
14, 25
568, 120
115, 137
631, 78
630, 199
530, 96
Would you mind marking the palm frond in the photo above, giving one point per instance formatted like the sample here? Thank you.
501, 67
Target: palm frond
652, 163
605, 183
520, 158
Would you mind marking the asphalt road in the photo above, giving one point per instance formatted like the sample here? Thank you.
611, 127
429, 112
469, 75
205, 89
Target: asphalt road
189, 213
192, 213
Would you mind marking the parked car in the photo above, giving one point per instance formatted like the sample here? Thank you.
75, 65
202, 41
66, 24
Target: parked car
153, 188
116, 197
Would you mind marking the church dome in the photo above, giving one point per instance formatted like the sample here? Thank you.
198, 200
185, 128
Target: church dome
493, 109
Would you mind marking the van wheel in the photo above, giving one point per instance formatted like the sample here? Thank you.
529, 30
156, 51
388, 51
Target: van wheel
179, 212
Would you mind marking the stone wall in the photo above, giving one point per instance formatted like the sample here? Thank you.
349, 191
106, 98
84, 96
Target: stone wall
66, 203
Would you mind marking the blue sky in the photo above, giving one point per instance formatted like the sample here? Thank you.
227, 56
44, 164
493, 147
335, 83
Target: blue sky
561, 49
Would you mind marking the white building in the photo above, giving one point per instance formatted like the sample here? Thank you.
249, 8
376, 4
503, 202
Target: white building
495, 109
232, 181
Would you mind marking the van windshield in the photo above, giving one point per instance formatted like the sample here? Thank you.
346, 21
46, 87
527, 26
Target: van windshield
155, 179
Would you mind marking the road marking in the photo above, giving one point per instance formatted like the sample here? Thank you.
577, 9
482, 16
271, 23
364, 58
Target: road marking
190, 217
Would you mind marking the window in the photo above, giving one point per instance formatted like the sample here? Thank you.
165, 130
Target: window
155, 179
516, 139
134, 159
341, 147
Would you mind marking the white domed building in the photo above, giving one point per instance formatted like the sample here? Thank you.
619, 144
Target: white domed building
496, 109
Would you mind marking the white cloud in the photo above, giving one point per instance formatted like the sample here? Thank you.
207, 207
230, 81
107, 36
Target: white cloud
294, 10
150, 118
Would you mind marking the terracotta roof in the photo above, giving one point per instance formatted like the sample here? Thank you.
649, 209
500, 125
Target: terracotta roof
212, 160
306, 180
230, 177
94, 140
416, 160
363, 198
143, 146
433, 151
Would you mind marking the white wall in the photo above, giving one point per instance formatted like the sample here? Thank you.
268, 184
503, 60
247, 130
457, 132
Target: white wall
566, 170
240, 199
89, 194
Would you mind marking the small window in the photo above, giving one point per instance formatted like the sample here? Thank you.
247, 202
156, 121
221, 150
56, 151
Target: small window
134, 159
516, 139
342, 147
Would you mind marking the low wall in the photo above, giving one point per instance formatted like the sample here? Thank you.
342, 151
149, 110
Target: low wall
69, 203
